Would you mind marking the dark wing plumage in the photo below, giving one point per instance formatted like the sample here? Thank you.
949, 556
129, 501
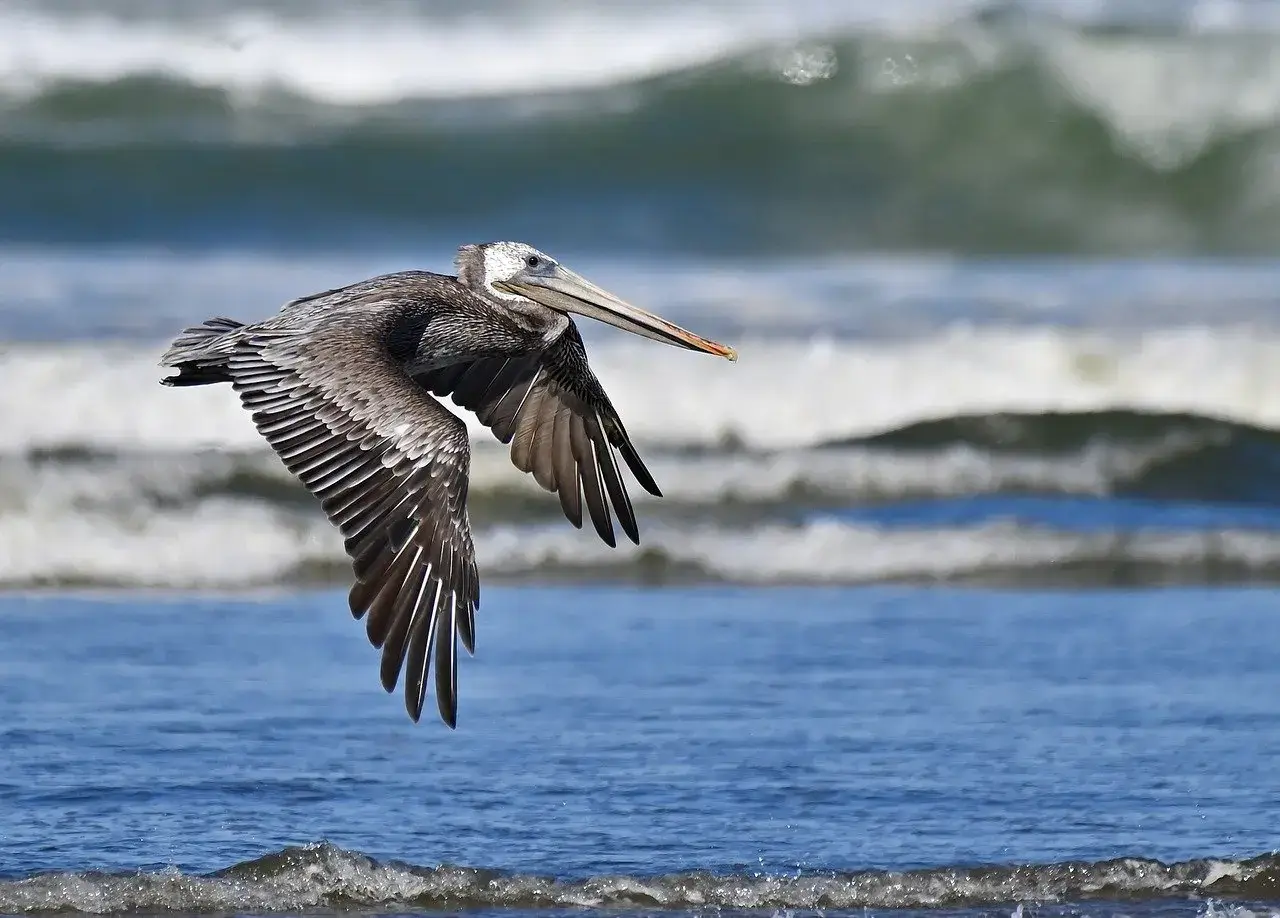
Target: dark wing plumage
389, 465
560, 423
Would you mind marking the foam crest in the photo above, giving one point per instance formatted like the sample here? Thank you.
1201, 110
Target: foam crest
1012, 497
329, 878
1168, 102
831, 551
228, 544
381, 53
69, 481
354, 58
779, 394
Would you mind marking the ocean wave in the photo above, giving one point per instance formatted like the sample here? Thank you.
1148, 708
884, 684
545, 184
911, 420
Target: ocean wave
1104, 454
108, 478
393, 51
322, 876
781, 394
388, 52
933, 130
245, 544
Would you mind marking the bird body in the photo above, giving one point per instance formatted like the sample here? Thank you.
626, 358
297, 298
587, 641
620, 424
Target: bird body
343, 385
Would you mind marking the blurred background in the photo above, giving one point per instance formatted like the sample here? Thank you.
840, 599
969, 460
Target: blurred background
1001, 274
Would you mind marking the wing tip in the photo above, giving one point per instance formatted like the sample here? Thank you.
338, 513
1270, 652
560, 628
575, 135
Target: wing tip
448, 712
389, 678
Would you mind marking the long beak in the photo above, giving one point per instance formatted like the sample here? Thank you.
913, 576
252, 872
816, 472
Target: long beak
569, 292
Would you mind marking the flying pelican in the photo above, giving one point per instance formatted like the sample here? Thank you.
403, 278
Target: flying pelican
340, 384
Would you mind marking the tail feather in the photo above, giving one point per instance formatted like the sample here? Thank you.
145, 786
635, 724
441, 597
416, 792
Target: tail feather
200, 353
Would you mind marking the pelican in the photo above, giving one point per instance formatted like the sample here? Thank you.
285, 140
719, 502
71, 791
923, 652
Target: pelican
341, 385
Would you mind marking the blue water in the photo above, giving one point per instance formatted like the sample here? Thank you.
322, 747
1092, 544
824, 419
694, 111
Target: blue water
608, 731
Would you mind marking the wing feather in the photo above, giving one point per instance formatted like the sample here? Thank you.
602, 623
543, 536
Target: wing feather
389, 465
570, 489
562, 427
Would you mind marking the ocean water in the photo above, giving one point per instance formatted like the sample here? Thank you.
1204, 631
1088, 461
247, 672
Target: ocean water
703, 749
961, 594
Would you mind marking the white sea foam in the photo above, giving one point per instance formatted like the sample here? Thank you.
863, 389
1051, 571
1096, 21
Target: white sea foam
238, 544
216, 544
311, 878
130, 487
780, 393
361, 56
830, 551
378, 53
1165, 102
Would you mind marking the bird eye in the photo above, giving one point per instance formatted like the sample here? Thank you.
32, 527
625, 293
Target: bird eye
532, 261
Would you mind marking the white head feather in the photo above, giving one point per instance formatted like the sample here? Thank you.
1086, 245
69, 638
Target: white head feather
501, 261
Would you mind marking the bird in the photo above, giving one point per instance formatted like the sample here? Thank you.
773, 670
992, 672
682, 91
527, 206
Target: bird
346, 385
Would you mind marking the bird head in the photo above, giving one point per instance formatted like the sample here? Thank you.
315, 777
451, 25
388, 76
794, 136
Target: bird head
507, 270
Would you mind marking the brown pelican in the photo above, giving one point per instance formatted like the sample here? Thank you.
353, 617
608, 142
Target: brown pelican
340, 384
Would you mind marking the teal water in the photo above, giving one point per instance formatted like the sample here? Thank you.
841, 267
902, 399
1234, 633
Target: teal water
715, 127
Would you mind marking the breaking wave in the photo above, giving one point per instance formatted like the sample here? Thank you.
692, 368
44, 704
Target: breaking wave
1109, 453
1151, 456
1134, 503
782, 394
322, 876
943, 126
393, 51
226, 545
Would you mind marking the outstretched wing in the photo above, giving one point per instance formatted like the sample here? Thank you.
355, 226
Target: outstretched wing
560, 423
389, 465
